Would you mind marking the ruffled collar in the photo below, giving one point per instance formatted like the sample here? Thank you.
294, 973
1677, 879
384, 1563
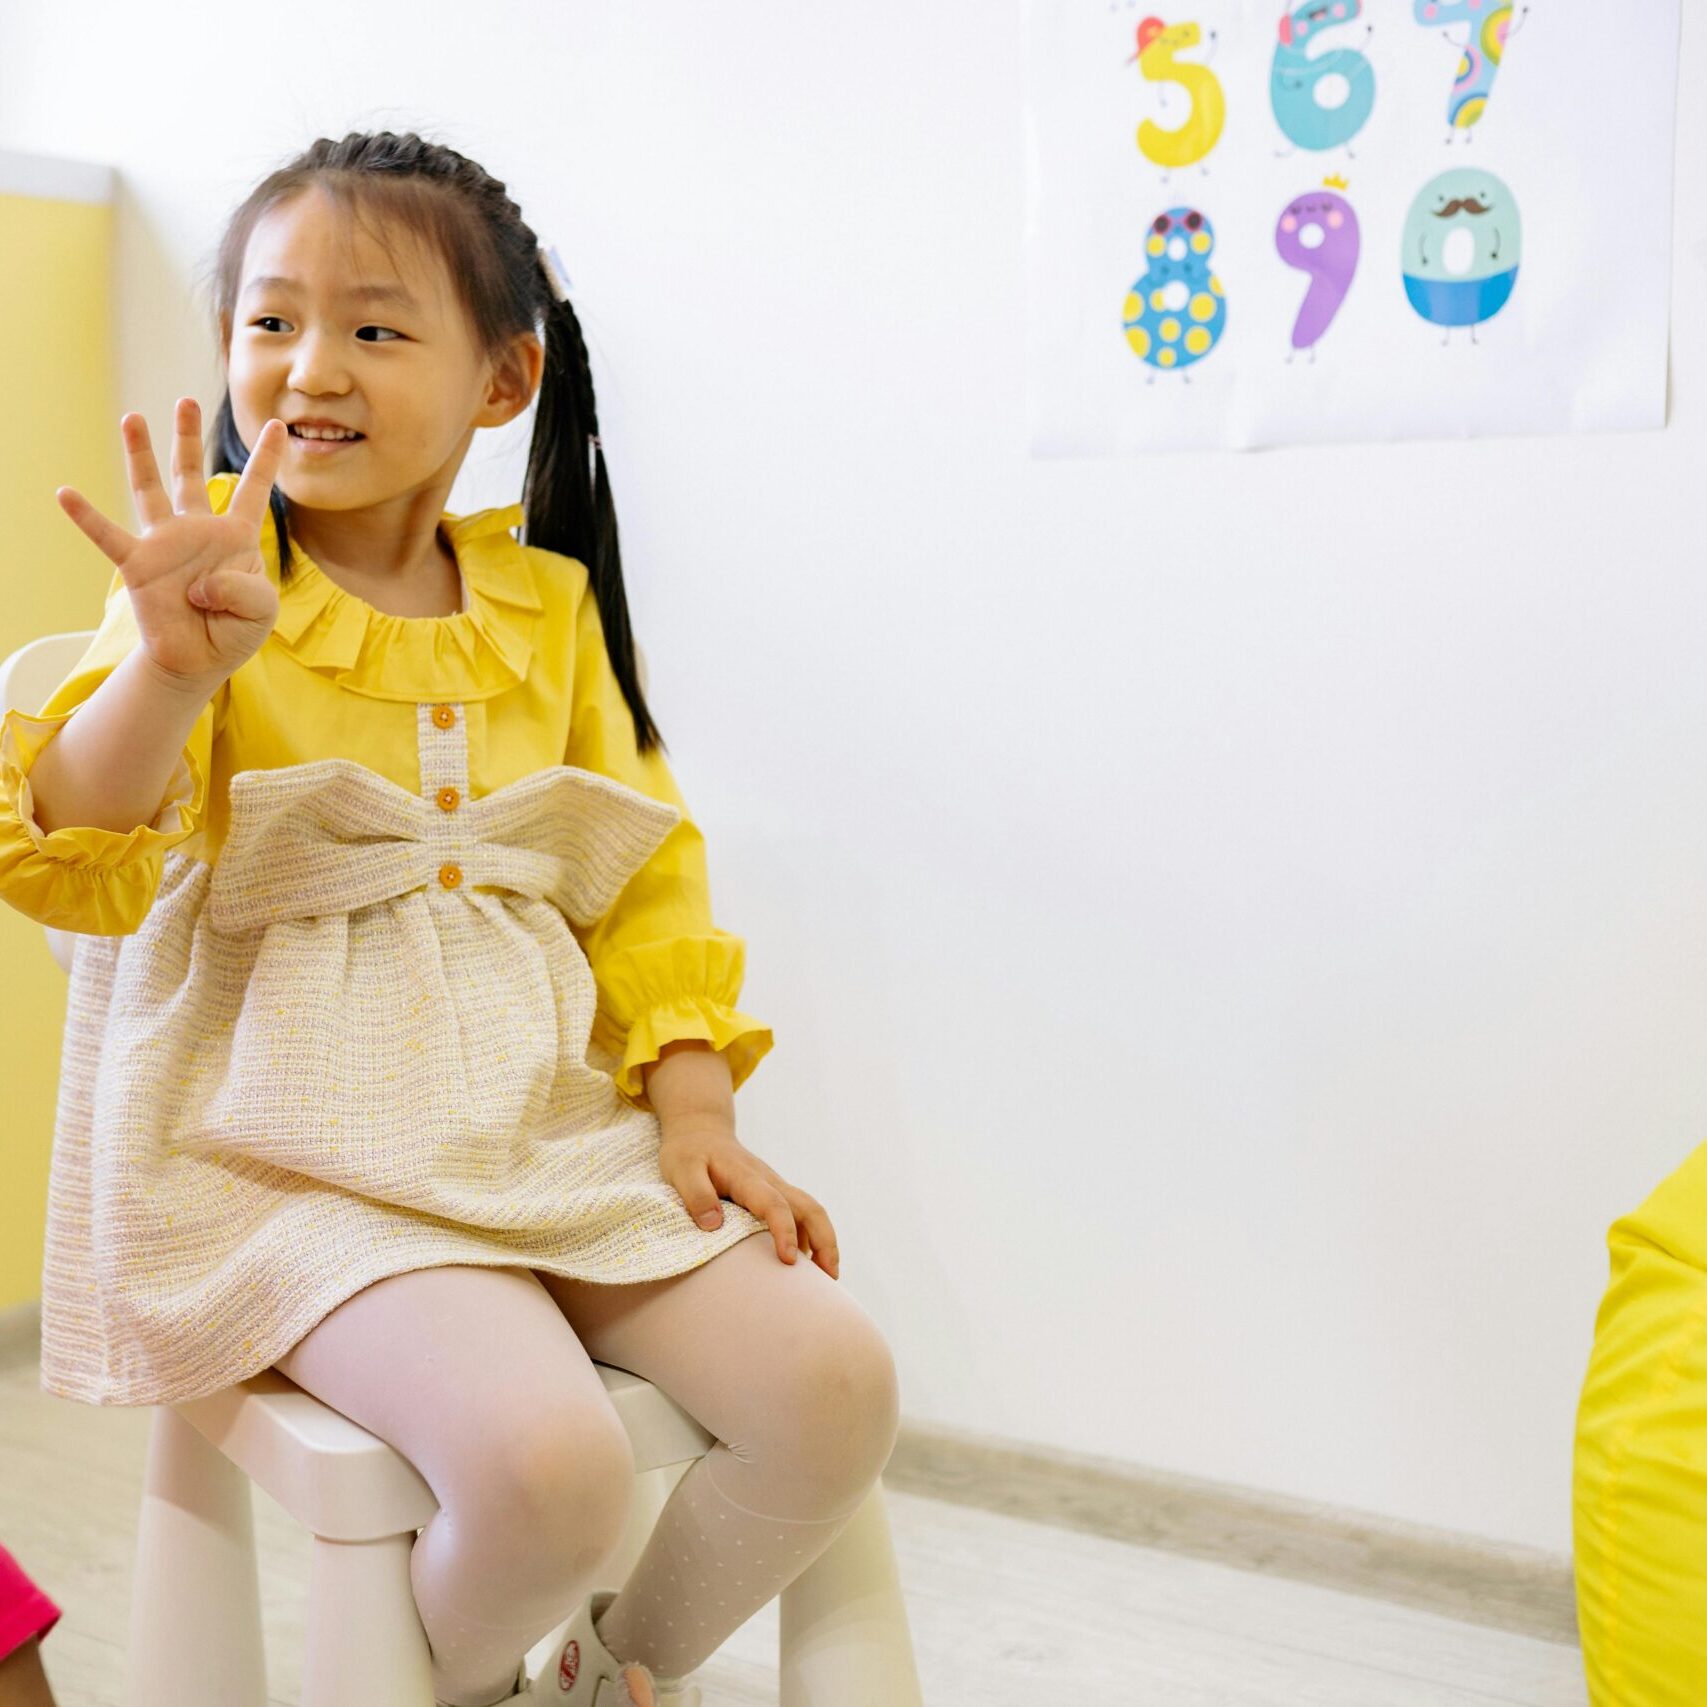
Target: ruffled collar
474, 653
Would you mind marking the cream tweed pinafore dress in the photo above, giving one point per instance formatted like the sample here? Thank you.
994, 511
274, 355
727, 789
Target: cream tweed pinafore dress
359, 1043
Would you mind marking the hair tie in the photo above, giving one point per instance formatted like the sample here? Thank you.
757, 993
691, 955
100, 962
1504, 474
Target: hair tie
555, 271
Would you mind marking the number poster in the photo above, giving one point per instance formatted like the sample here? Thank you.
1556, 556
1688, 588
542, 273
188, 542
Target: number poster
1256, 223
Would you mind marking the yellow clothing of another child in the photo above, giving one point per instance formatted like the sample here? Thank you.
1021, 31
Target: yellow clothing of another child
1639, 1482
373, 990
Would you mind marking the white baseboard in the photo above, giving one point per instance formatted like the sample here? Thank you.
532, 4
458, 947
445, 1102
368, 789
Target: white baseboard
1506, 1587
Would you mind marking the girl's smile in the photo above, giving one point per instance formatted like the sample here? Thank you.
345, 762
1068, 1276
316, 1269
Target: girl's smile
320, 448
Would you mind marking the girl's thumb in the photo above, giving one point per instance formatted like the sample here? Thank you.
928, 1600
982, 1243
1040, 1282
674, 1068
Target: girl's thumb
235, 592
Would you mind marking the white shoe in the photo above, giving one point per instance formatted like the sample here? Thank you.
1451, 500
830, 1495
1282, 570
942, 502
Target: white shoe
586, 1673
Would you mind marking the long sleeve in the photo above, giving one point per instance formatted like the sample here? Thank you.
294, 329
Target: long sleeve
664, 970
78, 877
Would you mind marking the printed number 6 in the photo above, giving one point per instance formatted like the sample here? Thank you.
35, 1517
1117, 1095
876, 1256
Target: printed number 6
1298, 86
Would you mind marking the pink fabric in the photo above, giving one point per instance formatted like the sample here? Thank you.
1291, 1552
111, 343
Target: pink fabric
24, 1610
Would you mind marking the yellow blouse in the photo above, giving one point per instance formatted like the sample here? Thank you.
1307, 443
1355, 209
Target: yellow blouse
337, 678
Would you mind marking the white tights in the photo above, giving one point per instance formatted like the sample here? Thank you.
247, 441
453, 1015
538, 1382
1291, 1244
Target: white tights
483, 1379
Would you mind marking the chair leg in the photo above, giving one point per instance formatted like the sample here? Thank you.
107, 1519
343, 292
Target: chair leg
195, 1606
845, 1640
364, 1645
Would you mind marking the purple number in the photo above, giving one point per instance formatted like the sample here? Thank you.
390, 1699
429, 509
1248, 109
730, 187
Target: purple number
1317, 233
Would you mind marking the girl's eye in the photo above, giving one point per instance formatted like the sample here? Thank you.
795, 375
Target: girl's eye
262, 320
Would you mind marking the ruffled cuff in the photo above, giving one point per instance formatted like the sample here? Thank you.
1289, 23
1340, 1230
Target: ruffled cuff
80, 878
22, 738
660, 992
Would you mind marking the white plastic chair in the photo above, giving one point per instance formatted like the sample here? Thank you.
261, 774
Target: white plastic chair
195, 1622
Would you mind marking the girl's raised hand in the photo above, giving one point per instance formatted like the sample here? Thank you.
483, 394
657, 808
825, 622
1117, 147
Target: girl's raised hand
198, 583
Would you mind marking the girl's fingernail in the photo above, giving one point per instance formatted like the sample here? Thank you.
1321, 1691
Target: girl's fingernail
196, 595
710, 1218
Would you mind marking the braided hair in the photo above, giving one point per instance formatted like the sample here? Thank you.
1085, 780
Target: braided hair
494, 260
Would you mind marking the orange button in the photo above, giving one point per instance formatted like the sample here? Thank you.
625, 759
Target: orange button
444, 716
450, 875
449, 799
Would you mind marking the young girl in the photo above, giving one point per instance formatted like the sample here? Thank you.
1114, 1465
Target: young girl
401, 1054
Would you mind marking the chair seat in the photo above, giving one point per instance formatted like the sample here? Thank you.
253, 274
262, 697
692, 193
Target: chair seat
345, 1484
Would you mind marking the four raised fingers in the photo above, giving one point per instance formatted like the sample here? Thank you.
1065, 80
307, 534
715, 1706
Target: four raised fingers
152, 503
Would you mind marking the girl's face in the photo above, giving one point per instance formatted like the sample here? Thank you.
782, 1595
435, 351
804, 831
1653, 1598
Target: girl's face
326, 328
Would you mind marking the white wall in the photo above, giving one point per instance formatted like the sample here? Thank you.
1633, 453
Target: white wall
1228, 971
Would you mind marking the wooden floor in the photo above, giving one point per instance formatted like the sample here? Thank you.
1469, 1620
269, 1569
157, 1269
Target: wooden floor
1005, 1612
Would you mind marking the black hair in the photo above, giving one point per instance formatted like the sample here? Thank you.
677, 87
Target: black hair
493, 255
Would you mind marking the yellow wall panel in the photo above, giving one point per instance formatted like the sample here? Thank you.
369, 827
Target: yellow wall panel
60, 428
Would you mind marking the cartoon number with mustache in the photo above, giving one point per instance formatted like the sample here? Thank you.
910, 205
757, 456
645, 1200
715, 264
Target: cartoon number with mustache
1295, 81
1484, 48
1157, 45
1462, 244
1318, 234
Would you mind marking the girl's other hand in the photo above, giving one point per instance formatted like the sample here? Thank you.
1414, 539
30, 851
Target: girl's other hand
198, 583
704, 1161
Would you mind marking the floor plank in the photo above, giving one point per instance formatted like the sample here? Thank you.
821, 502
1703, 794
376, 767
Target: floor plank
1004, 1611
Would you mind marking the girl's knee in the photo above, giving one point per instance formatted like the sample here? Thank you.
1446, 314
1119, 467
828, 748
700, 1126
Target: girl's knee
841, 1398
565, 1478
872, 1385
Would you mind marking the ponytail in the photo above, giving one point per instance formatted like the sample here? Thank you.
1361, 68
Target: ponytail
567, 496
